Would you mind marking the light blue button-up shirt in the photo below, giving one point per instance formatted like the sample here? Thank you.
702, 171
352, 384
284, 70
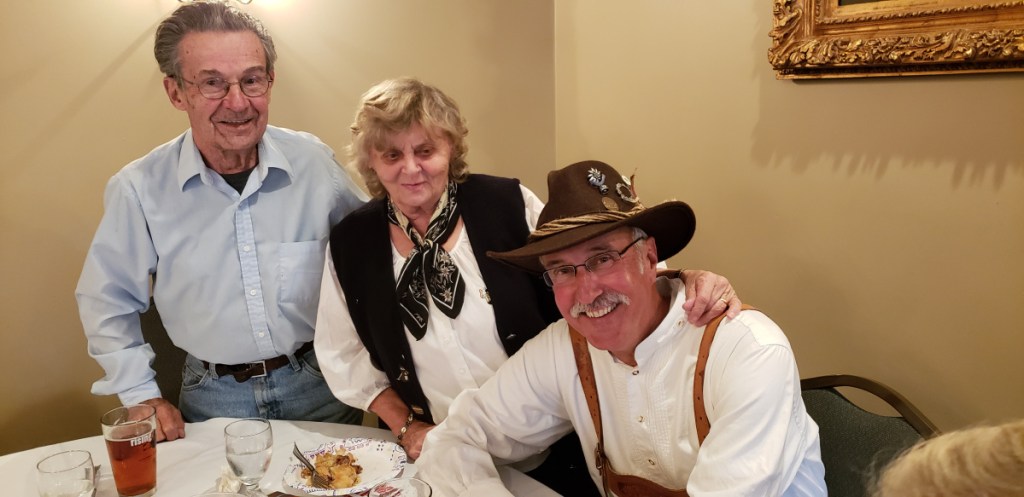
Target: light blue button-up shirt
237, 276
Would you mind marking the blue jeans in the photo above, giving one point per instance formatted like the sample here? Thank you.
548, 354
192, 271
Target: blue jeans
296, 391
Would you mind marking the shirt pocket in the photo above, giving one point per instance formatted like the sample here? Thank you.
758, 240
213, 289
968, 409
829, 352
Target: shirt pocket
300, 268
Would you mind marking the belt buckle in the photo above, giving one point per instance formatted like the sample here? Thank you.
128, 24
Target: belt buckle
244, 375
263, 368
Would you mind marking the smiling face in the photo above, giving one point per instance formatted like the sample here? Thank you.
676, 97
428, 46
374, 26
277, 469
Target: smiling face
616, 310
226, 130
412, 166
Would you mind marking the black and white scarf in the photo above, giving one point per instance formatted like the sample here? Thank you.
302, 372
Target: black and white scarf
429, 270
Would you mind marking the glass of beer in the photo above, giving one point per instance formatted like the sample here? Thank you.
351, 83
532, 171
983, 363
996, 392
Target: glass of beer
66, 474
130, 433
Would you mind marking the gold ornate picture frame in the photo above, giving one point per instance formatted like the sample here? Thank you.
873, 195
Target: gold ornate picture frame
813, 39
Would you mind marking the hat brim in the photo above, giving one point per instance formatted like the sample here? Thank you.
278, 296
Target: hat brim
672, 225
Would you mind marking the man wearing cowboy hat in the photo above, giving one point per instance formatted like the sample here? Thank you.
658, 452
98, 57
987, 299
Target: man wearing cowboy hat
662, 407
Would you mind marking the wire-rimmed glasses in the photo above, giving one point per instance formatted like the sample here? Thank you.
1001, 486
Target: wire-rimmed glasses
597, 264
216, 88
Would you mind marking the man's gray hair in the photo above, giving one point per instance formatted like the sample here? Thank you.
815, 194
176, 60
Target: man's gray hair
640, 246
200, 17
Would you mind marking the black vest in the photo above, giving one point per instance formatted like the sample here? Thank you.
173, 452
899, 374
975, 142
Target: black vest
493, 216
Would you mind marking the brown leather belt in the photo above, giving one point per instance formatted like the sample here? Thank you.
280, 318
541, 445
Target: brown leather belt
242, 372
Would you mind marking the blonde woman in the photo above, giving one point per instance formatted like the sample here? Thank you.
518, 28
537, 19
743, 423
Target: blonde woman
986, 461
412, 311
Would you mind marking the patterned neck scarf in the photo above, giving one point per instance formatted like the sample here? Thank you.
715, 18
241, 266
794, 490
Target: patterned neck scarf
429, 269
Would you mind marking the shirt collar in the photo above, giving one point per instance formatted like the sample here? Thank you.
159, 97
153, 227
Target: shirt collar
673, 323
190, 161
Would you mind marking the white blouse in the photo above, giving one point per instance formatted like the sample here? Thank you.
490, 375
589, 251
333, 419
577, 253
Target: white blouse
454, 355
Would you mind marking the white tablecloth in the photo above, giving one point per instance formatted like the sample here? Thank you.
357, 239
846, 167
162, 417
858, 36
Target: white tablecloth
190, 466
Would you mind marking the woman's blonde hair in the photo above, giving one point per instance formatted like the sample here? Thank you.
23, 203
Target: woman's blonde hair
986, 461
394, 105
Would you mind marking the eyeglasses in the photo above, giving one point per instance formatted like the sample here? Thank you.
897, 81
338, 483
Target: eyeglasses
216, 88
597, 264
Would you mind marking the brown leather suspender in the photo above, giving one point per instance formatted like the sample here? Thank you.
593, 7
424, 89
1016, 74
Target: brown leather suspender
628, 485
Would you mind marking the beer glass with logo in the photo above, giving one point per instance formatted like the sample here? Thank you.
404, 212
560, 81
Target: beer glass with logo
130, 433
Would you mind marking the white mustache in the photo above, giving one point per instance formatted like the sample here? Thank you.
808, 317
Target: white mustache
603, 304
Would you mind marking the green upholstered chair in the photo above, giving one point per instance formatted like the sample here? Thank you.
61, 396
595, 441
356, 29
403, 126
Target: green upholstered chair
856, 444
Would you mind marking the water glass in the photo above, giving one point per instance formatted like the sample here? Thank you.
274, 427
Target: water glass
66, 474
248, 444
130, 434
401, 487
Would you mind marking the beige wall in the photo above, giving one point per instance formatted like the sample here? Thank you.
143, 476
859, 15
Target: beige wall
880, 222
81, 96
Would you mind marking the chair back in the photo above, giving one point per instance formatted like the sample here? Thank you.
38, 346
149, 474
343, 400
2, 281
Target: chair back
857, 444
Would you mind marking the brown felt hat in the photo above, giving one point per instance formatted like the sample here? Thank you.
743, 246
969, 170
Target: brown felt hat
590, 198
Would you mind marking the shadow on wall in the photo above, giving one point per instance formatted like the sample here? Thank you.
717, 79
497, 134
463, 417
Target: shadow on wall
863, 126
169, 358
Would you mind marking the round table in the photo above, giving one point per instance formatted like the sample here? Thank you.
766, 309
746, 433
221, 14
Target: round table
191, 465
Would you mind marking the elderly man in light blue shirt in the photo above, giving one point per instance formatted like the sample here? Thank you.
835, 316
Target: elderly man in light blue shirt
227, 224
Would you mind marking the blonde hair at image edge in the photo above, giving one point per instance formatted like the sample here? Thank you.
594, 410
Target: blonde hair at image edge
985, 461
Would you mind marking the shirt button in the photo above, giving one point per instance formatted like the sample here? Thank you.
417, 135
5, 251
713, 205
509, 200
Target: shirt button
262, 334
639, 419
462, 371
252, 292
246, 248
636, 372
651, 462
